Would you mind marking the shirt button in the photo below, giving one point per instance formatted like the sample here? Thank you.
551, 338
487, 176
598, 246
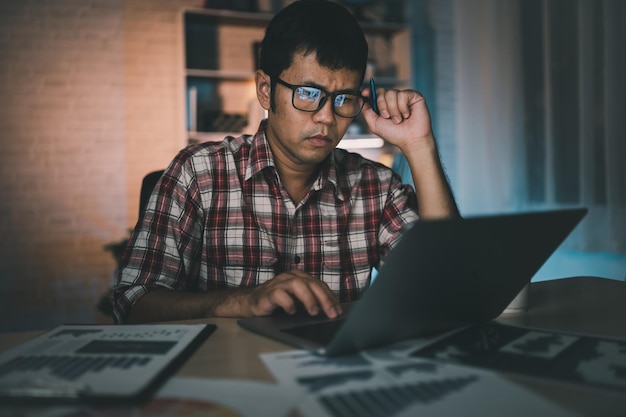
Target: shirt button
296, 259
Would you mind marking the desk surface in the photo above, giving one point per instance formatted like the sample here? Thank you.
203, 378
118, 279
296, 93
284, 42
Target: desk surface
581, 304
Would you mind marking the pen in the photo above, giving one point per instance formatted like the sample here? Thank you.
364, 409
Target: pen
373, 96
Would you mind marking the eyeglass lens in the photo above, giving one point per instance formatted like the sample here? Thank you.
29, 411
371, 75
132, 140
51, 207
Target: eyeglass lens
311, 99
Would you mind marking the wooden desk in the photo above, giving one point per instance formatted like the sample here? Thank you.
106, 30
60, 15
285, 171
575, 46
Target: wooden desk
588, 305
582, 304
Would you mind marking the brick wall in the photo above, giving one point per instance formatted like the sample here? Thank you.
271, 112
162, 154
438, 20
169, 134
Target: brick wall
92, 99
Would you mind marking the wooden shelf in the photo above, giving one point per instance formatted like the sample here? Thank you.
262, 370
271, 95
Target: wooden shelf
233, 17
198, 137
249, 76
225, 74
348, 141
220, 74
223, 16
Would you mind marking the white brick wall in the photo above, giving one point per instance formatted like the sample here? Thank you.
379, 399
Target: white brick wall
92, 99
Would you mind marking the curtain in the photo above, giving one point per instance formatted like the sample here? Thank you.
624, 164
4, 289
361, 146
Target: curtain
540, 111
489, 113
574, 103
529, 109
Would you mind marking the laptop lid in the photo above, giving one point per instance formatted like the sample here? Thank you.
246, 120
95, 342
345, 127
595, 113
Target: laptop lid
442, 274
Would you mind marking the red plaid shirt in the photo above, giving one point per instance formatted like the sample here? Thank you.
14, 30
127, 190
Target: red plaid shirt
219, 217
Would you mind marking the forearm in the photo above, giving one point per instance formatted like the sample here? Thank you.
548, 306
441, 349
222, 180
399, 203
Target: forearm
169, 305
404, 121
434, 196
289, 290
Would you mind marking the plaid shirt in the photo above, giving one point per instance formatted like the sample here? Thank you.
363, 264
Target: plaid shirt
219, 217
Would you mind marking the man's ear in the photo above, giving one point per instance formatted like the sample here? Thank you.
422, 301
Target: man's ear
263, 88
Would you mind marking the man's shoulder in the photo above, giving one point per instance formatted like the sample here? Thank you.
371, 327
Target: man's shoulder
230, 145
350, 162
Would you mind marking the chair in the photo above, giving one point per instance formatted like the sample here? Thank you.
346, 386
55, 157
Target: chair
147, 185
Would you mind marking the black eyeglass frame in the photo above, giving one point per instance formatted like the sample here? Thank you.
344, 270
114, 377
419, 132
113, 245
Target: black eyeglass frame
323, 99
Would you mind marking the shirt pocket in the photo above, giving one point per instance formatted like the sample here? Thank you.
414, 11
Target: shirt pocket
246, 257
345, 262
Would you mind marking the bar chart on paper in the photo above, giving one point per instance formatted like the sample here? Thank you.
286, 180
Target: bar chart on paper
96, 361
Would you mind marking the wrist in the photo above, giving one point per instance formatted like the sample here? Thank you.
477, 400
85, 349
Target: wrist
423, 148
228, 302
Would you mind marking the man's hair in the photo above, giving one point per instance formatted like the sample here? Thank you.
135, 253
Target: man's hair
313, 26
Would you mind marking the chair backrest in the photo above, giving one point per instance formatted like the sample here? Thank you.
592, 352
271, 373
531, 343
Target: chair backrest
147, 185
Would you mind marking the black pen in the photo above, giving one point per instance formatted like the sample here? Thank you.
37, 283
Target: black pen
373, 96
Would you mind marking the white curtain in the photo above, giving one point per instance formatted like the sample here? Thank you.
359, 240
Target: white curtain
488, 108
614, 86
493, 159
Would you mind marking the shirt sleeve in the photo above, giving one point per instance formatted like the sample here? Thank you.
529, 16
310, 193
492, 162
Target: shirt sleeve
399, 212
163, 250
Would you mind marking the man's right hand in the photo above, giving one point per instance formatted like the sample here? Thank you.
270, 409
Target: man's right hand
290, 290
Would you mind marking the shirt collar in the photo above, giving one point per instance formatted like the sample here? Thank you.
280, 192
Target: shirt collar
261, 158
329, 176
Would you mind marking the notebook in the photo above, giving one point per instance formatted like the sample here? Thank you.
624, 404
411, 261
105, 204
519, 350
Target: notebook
442, 274
97, 363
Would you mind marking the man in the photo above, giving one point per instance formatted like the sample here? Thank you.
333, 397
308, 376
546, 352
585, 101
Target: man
283, 219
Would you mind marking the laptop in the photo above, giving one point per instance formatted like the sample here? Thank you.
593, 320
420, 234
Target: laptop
441, 275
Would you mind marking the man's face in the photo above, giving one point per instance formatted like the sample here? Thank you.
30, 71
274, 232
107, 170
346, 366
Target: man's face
300, 138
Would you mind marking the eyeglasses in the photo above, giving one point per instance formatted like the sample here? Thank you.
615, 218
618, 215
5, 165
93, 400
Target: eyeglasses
311, 99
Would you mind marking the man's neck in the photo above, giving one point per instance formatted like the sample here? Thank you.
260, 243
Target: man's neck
297, 182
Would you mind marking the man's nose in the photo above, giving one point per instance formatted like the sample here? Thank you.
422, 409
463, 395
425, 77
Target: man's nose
325, 113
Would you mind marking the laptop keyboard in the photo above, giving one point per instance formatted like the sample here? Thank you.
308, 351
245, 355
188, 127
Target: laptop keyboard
321, 333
